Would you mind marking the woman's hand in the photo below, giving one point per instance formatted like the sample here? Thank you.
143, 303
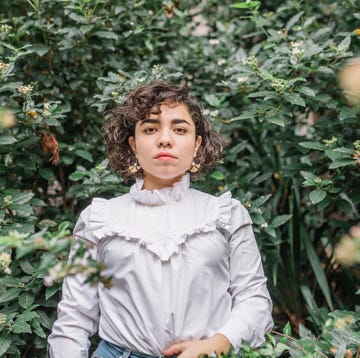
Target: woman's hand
193, 349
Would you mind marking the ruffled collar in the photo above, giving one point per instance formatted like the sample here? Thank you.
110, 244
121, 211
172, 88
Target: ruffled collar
162, 196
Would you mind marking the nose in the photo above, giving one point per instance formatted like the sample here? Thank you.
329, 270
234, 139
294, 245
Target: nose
165, 139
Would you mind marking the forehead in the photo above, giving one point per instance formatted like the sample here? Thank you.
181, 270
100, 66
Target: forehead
169, 111
168, 108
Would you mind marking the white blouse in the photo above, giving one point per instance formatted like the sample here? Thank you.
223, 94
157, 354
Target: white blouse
185, 266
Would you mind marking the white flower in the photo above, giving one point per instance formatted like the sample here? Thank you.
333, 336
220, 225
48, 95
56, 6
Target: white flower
265, 225
242, 79
297, 48
81, 261
55, 273
3, 66
214, 41
25, 89
5, 260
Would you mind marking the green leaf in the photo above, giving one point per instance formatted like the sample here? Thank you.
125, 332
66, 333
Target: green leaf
293, 20
264, 94
317, 268
111, 35
313, 145
294, 98
22, 198
280, 220
23, 250
10, 294
287, 329
280, 348
84, 154
280, 121
257, 219
342, 163
77, 176
346, 113
316, 196
345, 43
308, 175
312, 51
307, 91
20, 326
305, 332
40, 49
217, 175
38, 329
29, 315
5, 343
344, 150
9, 281
51, 290
7, 139
271, 232
212, 100
45, 320
47, 174
345, 206
26, 299
261, 200
246, 5
27, 267
37, 202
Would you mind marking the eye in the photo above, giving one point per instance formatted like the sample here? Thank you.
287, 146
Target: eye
180, 130
149, 130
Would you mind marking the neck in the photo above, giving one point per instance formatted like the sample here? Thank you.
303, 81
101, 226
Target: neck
153, 183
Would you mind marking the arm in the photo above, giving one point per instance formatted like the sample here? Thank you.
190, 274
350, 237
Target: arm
78, 310
250, 316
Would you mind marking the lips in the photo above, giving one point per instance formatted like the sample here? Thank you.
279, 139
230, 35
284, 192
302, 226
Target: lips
164, 155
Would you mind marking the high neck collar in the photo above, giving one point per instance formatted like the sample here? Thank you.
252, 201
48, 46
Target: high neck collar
162, 196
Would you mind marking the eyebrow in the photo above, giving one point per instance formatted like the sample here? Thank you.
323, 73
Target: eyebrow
157, 121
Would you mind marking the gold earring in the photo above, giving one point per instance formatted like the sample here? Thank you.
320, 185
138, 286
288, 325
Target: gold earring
194, 167
135, 167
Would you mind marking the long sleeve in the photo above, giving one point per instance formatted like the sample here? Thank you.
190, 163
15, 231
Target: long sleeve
250, 316
78, 311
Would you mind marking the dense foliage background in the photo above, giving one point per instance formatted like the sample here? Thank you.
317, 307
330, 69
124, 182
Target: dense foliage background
267, 73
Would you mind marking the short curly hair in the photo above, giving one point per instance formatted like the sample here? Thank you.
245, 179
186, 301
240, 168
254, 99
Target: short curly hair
121, 121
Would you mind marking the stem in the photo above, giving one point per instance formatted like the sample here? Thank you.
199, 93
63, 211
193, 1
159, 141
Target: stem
63, 187
284, 335
295, 340
35, 5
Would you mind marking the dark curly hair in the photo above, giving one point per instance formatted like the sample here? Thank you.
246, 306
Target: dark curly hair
121, 121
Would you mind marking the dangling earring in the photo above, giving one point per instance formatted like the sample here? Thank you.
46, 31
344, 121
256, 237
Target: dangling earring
135, 167
194, 167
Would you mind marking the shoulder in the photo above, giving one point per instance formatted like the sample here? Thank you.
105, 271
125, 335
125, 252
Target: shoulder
93, 219
230, 213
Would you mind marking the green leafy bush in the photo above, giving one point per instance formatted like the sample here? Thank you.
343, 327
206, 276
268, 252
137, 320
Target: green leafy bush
267, 75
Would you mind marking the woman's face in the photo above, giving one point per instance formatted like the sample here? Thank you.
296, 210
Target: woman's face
165, 145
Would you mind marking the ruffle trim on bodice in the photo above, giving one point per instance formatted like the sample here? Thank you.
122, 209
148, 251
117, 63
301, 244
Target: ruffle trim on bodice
164, 249
162, 196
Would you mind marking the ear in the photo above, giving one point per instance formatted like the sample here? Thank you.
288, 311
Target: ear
197, 144
131, 142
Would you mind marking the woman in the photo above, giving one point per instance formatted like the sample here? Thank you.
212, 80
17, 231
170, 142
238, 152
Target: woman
187, 274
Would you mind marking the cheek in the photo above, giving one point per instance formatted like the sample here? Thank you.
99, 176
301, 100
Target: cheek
143, 145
